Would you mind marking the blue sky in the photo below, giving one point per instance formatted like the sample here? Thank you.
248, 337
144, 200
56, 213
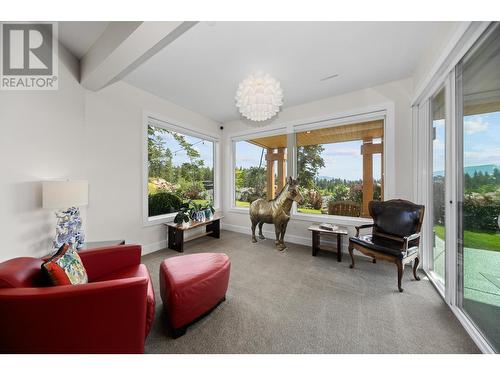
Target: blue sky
205, 148
481, 141
342, 160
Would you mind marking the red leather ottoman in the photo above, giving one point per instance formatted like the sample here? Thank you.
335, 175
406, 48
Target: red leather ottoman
191, 286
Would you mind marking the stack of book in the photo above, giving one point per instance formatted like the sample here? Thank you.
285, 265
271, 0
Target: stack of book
327, 226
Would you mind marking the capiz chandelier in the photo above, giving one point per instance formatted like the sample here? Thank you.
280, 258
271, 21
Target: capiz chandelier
259, 97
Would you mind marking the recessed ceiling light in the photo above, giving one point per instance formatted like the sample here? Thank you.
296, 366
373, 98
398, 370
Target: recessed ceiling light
328, 77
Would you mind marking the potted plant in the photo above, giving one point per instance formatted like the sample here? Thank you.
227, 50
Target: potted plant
197, 212
182, 218
209, 210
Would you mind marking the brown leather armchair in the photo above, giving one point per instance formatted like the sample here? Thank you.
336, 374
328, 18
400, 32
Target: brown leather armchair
395, 235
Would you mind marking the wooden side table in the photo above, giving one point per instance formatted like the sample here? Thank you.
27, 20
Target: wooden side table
316, 236
176, 232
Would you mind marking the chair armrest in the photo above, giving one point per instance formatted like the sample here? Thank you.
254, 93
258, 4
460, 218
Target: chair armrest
410, 238
362, 227
106, 260
101, 317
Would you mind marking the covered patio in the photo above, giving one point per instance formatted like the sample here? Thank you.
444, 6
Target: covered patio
371, 133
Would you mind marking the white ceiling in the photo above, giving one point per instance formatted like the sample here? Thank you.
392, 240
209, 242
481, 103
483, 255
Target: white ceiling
202, 68
78, 37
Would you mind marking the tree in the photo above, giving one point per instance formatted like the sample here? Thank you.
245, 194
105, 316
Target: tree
309, 162
239, 179
155, 152
255, 178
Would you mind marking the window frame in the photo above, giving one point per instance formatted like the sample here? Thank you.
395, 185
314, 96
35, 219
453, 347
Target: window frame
241, 138
355, 119
184, 129
379, 111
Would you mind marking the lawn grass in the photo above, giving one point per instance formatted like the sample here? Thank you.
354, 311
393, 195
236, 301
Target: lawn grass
475, 239
302, 210
308, 210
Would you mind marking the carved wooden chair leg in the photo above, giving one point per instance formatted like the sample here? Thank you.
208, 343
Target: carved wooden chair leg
415, 266
352, 256
400, 266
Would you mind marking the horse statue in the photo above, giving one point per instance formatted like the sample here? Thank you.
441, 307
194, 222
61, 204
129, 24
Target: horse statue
275, 211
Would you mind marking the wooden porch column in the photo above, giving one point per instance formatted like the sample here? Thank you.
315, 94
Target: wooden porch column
367, 177
270, 173
367, 150
382, 171
281, 158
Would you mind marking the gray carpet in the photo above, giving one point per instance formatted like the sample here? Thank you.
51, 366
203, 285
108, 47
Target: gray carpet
292, 302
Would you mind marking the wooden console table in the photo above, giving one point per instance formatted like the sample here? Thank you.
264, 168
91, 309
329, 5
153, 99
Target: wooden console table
176, 231
317, 231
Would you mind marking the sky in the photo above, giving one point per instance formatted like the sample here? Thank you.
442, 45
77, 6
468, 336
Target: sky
481, 141
342, 160
204, 147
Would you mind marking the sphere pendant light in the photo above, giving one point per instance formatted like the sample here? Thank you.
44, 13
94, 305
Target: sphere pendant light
259, 97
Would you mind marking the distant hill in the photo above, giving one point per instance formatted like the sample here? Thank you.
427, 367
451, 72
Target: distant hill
485, 168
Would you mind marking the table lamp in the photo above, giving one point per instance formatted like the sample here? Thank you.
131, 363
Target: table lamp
66, 197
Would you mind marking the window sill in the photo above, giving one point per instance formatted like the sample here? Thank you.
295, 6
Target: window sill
158, 220
333, 219
340, 220
238, 210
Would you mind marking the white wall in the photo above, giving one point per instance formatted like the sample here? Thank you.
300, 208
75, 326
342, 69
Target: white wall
41, 137
397, 93
440, 47
78, 134
114, 144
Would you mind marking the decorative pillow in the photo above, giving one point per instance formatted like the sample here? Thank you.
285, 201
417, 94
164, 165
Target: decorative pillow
65, 267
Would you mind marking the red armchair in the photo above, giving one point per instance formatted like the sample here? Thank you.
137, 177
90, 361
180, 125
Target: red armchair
113, 313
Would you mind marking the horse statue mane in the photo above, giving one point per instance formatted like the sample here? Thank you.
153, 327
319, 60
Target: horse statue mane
275, 211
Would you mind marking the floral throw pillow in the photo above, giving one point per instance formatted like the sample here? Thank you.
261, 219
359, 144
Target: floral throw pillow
65, 267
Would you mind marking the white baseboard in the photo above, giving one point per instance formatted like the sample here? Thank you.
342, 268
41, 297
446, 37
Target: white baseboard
152, 247
299, 240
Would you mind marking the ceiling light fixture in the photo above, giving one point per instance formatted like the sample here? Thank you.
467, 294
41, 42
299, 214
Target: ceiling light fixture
259, 97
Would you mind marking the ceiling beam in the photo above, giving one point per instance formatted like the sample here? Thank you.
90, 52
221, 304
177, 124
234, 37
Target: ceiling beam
123, 47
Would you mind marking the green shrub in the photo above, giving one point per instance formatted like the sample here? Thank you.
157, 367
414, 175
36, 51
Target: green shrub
480, 213
190, 189
163, 203
312, 199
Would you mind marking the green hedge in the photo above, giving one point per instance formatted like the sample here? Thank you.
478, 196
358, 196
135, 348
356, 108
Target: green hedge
163, 203
481, 214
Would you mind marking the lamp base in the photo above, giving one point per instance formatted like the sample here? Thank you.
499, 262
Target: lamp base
69, 228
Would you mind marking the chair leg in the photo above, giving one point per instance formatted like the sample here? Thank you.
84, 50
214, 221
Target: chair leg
415, 266
399, 264
352, 256
374, 260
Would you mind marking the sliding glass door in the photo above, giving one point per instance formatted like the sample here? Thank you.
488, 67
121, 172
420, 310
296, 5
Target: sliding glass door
437, 208
478, 187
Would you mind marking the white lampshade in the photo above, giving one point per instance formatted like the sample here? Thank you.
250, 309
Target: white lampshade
65, 194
